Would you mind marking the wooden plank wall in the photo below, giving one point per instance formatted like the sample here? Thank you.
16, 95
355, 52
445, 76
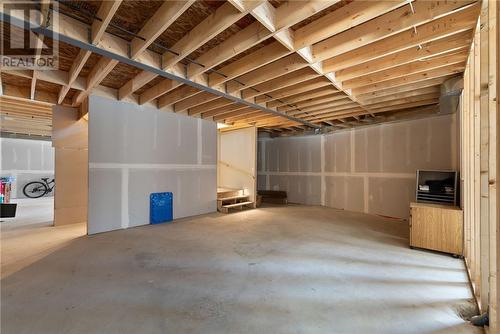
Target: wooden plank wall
479, 162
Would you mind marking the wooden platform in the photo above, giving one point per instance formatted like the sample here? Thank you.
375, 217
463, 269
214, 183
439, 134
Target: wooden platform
228, 198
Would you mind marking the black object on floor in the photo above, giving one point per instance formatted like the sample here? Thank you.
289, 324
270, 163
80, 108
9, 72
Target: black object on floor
481, 320
8, 210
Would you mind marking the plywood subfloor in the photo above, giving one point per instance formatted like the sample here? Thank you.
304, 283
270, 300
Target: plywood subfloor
292, 269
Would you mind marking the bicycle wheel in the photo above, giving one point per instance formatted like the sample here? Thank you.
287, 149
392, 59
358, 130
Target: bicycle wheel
34, 189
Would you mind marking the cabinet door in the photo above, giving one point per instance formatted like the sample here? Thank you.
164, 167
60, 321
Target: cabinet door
424, 226
437, 229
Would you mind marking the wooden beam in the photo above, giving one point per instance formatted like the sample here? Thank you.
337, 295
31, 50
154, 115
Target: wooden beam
341, 104
208, 106
44, 15
462, 20
157, 90
403, 88
239, 42
261, 57
96, 75
444, 45
342, 19
241, 111
134, 84
156, 25
106, 12
161, 20
435, 73
178, 94
310, 94
300, 88
281, 82
416, 92
223, 110
278, 68
406, 69
384, 26
339, 96
217, 22
194, 101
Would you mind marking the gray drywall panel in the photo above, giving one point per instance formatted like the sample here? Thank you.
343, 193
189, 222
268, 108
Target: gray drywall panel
389, 196
260, 162
300, 188
294, 154
25, 154
404, 147
261, 182
338, 152
145, 150
193, 192
26, 160
207, 140
122, 132
104, 207
271, 155
345, 192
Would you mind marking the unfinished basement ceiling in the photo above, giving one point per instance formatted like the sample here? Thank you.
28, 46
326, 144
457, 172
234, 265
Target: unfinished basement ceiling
281, 66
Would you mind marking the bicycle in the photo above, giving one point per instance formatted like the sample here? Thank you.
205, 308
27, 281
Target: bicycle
37, 189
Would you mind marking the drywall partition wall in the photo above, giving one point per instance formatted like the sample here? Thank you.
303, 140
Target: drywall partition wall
70, 140
369, 169
137, 150
26, 160
237, 162
293, 164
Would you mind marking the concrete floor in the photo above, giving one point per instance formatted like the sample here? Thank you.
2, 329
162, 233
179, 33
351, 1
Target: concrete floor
292, 269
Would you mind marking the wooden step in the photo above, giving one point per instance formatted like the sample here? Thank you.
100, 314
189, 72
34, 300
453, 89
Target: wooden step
225, 208
229, 193
236, 204
232, 198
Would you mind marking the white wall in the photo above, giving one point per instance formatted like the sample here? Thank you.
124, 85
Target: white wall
135, 151
27, 160
369, 169
237, 166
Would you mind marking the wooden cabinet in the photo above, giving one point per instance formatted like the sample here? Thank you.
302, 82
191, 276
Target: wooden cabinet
436, 227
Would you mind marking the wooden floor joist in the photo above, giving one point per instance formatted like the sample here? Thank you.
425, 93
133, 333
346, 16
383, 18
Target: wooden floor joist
286, 59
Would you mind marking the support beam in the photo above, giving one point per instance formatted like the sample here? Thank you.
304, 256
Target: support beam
384, 26
462, 20
449, 44
106, 12
161, 20
96, 75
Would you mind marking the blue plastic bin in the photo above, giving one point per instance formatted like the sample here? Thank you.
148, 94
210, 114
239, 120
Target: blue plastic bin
161, 208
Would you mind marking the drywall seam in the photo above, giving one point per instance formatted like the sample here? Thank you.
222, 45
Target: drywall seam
124, 198
366, 192
199, 141
359, 174
149, 166
353, 150
323, 178
27, 171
